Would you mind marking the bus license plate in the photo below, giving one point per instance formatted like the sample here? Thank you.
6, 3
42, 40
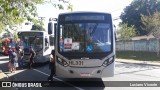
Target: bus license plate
76, 63
85, 74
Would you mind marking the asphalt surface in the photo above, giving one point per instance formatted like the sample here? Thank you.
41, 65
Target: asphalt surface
5, 77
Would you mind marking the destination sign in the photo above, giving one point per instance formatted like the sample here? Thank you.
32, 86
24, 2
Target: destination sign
84, 17
30, 33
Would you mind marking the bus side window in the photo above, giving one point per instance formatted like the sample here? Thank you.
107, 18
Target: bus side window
51, 39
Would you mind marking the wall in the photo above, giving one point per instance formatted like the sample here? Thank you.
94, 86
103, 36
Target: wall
152, 45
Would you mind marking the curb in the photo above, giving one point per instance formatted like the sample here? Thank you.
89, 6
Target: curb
152, 63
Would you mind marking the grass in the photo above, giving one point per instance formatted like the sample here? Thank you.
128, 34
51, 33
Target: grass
141, 56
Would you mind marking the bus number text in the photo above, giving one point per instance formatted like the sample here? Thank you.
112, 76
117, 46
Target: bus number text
76, 63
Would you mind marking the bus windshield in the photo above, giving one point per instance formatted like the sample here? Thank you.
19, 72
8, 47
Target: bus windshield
85, 37
27, 40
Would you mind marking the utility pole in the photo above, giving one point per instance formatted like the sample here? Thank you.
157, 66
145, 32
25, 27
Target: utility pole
41, 18
116, 18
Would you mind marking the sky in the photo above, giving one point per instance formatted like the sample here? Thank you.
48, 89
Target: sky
115, 7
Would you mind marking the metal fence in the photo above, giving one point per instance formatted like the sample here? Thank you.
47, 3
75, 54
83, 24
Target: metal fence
151, 45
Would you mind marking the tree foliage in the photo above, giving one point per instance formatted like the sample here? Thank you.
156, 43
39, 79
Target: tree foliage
151, 23
125, 32
132, 13
15, 12
59, 5
37, 27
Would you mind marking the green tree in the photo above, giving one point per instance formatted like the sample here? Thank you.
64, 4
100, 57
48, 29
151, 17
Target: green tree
132, 13
15, 12
37, 27
151, 23
60, 6
125, 32
15, 36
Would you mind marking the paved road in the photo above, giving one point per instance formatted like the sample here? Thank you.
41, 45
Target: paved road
123, 72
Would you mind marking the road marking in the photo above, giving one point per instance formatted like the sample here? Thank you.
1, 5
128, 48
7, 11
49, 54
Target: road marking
59, 79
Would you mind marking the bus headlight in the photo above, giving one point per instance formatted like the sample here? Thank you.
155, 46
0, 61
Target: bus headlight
62, 62
108, 61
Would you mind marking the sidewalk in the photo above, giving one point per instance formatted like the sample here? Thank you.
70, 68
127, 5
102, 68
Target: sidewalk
3, 76
153, 63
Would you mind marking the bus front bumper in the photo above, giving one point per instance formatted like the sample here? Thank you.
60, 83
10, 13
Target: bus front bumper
84, 72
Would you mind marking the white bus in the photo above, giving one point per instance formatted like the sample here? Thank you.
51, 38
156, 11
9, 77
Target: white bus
85, 45
40, 41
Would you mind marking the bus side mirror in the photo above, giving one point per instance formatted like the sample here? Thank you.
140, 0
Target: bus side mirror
55, 30
50, 28
115, 36
46, 40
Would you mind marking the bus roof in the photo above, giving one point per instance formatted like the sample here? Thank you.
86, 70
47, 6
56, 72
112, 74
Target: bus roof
78, 12
32, 31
